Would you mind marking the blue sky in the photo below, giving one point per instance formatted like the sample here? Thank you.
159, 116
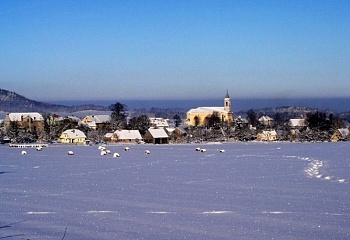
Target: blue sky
101, 50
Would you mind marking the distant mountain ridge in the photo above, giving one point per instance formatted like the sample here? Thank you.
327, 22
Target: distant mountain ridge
13, 102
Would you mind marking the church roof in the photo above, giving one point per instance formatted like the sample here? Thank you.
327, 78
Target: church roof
208, 110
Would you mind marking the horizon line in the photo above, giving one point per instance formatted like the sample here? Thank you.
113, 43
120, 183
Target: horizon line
191, 99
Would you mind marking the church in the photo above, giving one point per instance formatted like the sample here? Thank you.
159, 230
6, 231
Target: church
198, 116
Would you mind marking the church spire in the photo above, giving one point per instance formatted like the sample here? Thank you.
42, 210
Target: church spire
227, 102
227, 96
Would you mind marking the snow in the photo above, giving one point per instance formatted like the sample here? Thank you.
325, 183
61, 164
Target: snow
158, 133
73, 134
251, 191
208, 110
17, 117
128, 134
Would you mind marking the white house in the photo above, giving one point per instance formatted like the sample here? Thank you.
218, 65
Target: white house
297, 123
340, 134
31, 121
97, 121
267, 136
126, 136
266, 120
159, 122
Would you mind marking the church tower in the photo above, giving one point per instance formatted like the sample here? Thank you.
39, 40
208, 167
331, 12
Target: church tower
227, 102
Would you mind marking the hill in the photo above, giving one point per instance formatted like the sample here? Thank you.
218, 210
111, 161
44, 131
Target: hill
13, 102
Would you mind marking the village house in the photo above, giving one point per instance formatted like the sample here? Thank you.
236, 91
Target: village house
56, 119
340, 134
108, 137
179, 132
96, 122
294, 135
176, 133
241, 122
158, 122
73, 136
267, 136
32, 121
198, 116
156, 136
266, 121
71, 119
124, 136
297, 123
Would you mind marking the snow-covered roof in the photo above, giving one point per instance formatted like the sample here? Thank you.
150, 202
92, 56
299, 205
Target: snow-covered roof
59, 118
159, 122
99, 118
208, 110
272, 133
73, 118
170, 130
344, 131
108, 135
241, 119
297, 122
90, 124
158, 133
181, 129
128, 134
74, 133
265, 119
16, 117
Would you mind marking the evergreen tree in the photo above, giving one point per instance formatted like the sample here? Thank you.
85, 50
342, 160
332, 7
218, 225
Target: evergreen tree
252, 117
196, 121
141, 123
118, 116
13, 131
177, 120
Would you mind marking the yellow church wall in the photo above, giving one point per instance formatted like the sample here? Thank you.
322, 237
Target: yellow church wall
202, 116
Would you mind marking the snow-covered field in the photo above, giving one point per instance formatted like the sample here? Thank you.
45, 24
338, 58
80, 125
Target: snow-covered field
250, 191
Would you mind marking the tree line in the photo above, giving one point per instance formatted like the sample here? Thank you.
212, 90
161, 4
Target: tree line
320, 126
